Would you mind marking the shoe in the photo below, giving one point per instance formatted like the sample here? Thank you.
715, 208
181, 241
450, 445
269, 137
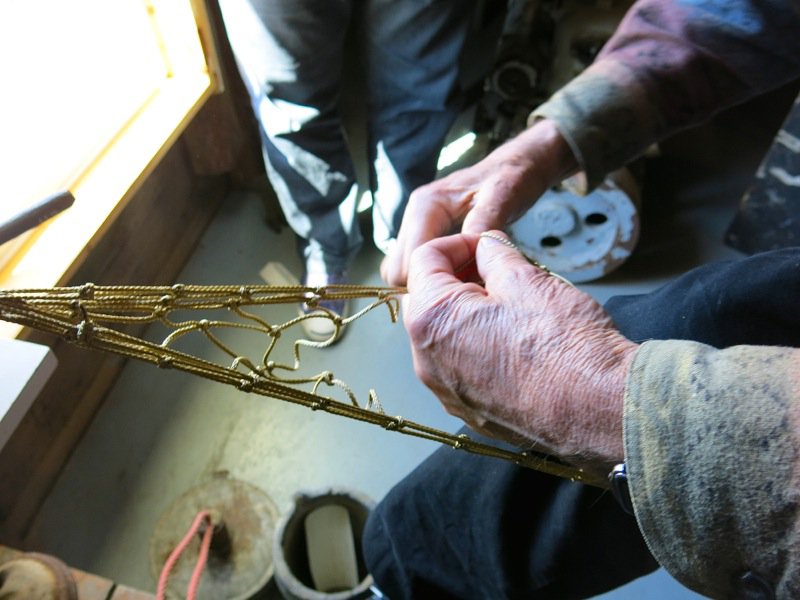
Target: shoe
322, 328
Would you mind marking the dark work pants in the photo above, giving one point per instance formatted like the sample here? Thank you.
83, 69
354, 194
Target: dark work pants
466, 526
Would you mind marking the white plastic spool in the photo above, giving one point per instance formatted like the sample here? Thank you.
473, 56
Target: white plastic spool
582, 238
317, 547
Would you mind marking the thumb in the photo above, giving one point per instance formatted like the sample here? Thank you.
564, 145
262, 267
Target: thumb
500, 263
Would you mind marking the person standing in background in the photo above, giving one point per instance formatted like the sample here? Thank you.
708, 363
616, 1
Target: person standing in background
291, 55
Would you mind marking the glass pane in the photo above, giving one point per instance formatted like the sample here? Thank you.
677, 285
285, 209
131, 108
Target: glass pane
74, 73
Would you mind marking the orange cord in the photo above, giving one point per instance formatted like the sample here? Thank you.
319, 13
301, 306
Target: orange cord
194, 582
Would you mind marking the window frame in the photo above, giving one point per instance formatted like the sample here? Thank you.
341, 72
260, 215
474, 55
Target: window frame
49, 254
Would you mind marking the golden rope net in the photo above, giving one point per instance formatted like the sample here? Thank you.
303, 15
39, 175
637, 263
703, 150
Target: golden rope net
95, 317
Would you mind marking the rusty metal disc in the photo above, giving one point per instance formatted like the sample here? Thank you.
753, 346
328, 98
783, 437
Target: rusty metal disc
246, 565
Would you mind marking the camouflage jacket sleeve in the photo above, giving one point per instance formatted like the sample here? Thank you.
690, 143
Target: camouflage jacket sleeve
713, 457
670, 65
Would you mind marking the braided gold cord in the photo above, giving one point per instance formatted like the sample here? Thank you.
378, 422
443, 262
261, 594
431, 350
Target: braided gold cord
84, 315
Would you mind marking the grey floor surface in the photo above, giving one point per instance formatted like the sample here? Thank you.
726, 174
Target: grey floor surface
160, 433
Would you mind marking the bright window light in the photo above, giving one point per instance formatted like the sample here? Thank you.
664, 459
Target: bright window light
76, 75
455, 150
94, 92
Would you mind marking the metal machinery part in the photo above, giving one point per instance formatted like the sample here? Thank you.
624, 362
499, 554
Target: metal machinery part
544, 44
240, 561
514, 85
582, 238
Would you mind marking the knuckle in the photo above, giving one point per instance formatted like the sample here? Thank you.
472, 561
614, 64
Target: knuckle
419, 195
417, 326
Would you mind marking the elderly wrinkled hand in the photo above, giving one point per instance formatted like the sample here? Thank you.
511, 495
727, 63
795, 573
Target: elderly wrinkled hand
524, 357
495, 191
